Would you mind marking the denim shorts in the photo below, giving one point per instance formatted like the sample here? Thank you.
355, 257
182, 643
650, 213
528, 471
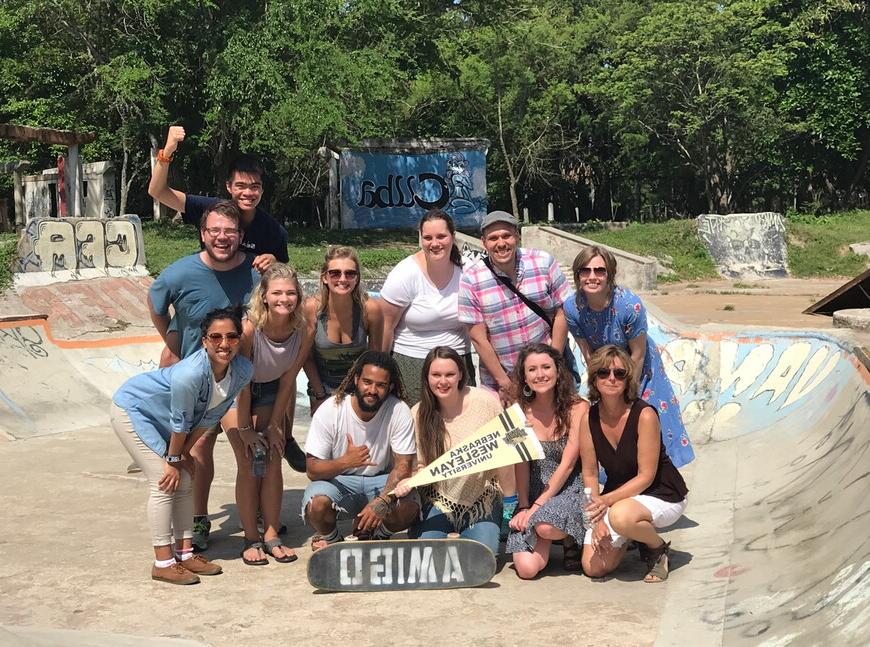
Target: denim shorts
264, 394
350, 493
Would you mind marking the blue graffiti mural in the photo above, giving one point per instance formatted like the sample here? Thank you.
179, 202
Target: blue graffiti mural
394, 190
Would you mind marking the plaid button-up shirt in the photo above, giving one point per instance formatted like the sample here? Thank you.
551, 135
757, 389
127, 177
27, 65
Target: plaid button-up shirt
509, 322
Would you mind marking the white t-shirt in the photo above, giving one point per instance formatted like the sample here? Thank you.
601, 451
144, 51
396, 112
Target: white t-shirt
219, 390
431, 316
391, 430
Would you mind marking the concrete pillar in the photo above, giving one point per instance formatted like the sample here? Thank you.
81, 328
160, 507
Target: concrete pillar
525, 214
18, 193
551, 212
73, 180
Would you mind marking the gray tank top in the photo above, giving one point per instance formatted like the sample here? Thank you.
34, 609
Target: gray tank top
272, 359
335, 360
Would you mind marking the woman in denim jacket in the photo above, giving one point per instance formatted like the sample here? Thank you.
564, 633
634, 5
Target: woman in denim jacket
159, 415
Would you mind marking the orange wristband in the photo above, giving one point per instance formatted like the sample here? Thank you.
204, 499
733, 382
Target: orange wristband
162, 158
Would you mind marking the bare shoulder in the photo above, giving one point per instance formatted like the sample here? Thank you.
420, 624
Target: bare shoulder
310, 305
648, 419
580, 408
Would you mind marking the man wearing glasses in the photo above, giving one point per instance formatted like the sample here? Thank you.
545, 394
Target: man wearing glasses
264, 237
219, 276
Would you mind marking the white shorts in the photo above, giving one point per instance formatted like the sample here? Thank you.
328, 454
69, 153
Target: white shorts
664, 514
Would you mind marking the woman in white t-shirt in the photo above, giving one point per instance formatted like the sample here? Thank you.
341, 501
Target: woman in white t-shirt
419, 303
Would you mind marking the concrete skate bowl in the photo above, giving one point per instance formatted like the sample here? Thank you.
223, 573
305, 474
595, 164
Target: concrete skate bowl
774, 546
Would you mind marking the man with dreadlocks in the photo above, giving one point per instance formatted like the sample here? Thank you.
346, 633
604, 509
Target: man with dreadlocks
360, 445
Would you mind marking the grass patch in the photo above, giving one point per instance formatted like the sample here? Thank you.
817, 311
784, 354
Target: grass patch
379, 251
747, 286
819, 245
675, 238
8, 254
728, 307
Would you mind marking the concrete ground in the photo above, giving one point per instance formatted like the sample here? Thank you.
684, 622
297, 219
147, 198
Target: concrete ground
773, 549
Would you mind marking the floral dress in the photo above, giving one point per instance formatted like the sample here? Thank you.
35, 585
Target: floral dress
622, 320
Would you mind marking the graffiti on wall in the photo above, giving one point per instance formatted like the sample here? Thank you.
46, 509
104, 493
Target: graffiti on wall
395, 190
75, 244
745, 245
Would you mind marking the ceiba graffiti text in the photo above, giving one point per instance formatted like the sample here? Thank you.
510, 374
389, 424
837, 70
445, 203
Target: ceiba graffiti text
391, 194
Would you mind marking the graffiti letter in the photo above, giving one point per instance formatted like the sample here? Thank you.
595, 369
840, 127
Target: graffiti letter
121, 243
56, 246
91, 243
443, 197
368, 196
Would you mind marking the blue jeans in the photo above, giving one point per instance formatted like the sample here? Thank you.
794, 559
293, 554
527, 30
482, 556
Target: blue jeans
436, 525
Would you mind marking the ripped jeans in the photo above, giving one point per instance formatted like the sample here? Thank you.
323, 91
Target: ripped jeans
349, 493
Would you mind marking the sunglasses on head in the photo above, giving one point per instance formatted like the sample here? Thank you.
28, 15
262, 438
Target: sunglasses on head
336, 274
598, 271
604, 373
216, 338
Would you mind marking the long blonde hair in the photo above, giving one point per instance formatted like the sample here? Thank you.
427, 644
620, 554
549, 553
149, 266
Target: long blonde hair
358, 295
258, 312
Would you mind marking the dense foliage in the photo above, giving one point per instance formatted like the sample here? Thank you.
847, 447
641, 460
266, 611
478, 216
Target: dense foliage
623, 109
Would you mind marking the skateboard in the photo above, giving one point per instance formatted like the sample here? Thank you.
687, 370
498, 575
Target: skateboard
401, 565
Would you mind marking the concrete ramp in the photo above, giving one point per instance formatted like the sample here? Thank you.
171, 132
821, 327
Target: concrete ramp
774, 548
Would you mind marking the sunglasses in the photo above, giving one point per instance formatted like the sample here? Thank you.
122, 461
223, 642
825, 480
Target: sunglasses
598, 271
336, 274
216, 338
604, 373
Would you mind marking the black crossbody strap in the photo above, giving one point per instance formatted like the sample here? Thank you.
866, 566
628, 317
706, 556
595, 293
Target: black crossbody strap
531, 305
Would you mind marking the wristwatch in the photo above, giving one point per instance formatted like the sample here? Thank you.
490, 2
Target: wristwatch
174, 459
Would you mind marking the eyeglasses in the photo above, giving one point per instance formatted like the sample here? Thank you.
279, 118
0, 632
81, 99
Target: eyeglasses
598, 271
216, 338
604, 373
214, 232
336, 274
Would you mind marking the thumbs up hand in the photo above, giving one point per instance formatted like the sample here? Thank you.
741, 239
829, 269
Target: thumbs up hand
357, 455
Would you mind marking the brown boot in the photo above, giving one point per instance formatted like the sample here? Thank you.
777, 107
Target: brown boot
175, 574
201, 566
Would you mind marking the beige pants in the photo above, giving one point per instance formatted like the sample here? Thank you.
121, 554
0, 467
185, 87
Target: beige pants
166, 512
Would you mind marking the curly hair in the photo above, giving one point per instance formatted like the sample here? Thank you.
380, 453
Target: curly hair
258, 311
233, 313
373, 358
564, 396
358, 295
603, 358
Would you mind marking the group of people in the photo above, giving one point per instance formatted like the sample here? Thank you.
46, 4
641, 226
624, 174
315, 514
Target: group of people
392, 386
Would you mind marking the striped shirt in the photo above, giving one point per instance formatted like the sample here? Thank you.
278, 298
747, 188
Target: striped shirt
509, 322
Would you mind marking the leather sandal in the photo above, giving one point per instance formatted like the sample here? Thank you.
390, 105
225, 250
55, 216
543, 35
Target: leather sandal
319, 541
272, 544
657, 561
256, 543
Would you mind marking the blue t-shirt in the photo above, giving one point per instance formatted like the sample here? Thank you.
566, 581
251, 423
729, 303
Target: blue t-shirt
193, 289
263, 236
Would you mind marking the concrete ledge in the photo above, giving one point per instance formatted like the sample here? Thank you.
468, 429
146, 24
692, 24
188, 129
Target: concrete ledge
857, 318
635, 272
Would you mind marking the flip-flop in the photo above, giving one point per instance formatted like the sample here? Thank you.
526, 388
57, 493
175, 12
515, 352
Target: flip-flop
254, 544
272, 544
657, 561
316, 539
572, 554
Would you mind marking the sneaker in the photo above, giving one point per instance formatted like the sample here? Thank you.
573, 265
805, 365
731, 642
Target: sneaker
294, 455
174, 574
201, 528
201, 566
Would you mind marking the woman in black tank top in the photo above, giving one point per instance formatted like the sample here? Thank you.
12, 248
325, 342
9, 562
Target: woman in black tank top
644, 490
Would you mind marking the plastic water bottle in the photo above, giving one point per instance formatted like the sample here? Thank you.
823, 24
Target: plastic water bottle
258, 463
587, 499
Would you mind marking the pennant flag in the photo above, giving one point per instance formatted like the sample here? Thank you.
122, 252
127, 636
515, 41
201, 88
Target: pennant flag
504, 440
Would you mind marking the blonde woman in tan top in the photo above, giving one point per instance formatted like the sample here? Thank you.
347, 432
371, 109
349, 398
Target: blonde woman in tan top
449, 410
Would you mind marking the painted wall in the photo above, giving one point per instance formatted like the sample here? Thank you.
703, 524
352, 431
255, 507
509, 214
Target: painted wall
81, 246
40, 199
745, 245
393, 190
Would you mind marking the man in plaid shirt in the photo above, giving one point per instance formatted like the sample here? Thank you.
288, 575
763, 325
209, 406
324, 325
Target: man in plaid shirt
500, 324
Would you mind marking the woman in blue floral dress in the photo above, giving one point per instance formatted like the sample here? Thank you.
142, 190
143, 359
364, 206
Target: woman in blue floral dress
602, 313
